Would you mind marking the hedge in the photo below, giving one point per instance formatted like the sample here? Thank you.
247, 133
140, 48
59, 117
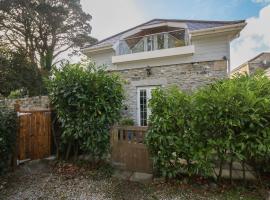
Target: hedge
220, 123
87, 100
8, 128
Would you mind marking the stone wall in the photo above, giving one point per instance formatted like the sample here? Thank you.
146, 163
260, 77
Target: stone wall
187, 76
29, 103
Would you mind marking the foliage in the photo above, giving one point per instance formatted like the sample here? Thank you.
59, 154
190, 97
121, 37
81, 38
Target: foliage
126, 122
224, 122
7, 136
17, 73
44, 29
169, 138
17, 94
87, 100
232, 117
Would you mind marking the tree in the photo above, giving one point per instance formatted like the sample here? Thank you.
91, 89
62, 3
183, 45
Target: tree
44, 29
17, 73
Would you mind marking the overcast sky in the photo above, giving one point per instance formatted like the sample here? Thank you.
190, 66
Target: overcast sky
113, 16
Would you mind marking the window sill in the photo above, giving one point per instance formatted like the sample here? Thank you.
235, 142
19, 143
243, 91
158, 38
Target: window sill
154, 54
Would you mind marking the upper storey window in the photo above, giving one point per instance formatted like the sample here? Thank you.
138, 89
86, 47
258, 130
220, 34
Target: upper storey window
153, 40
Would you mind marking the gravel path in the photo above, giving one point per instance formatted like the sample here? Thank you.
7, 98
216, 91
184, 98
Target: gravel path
41, 181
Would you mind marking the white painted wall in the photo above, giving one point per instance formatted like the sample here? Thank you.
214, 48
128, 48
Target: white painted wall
207, 48
102, 58
153, 54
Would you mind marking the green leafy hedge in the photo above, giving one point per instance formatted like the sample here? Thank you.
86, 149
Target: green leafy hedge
88, 101
8, 128
171, 141
224, 122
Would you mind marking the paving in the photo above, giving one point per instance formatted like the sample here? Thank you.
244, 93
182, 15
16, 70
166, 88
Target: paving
133, 176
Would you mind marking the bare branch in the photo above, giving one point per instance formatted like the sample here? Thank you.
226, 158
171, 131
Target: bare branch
61, 51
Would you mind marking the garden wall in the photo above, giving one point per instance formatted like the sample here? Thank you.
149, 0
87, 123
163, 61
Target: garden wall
29, 103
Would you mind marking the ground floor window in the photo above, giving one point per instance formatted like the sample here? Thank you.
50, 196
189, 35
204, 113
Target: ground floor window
143, 111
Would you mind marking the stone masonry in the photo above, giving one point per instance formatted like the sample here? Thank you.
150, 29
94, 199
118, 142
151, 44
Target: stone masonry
29, 103
187, 76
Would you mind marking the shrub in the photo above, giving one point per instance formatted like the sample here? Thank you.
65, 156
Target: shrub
87, 101
169, 139
8, 130
220, 123
126, 122
16, 94
232, 117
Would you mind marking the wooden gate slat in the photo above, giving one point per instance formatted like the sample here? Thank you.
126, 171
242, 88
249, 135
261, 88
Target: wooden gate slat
128, 152
34, 135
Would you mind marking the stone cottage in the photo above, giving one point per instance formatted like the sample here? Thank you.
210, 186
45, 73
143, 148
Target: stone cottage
161, 52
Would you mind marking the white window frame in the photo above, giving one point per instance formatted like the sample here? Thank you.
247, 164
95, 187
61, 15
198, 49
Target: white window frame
148, 97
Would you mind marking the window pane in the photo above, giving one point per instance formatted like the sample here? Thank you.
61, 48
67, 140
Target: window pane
176, 39
160, 41
143, 107
139, 47
123, 48
150, 43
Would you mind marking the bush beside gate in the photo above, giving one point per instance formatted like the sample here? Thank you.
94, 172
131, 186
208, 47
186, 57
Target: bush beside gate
221, 123
8, 130
87, 101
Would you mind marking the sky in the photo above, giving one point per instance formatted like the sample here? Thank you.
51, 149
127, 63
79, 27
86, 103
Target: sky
113, 16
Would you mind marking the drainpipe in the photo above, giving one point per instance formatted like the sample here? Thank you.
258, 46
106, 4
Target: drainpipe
228, 65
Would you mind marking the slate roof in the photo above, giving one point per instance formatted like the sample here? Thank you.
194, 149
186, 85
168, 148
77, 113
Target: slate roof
193, 25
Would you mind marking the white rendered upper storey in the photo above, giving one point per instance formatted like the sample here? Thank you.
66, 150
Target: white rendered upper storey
166, 42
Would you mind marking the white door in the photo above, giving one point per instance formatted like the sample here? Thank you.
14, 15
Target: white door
143, 111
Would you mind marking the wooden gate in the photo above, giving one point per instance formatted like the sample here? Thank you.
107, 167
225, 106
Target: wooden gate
128, 150
34, 134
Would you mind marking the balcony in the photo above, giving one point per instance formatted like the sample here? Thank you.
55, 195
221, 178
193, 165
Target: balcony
151, 46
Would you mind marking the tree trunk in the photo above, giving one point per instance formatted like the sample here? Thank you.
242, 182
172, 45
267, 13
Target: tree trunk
54, 138
244, 172
48, 59
231, 165
76, 151
68, 150
220, 169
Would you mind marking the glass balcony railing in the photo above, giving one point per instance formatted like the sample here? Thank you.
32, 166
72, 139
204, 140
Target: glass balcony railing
152, 42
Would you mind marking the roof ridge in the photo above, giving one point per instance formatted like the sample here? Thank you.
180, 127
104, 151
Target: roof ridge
165, 20
250, 60
257, 56
202, 21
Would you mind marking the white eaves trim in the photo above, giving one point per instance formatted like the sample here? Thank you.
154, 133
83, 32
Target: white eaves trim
96, 49
233, 27
154, 54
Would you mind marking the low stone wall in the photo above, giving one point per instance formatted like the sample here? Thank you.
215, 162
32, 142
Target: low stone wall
29, 103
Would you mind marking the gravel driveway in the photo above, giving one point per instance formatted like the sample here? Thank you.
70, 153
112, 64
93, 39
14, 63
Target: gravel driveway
39, 180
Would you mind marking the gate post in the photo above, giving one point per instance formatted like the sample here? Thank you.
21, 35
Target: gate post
15, 150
